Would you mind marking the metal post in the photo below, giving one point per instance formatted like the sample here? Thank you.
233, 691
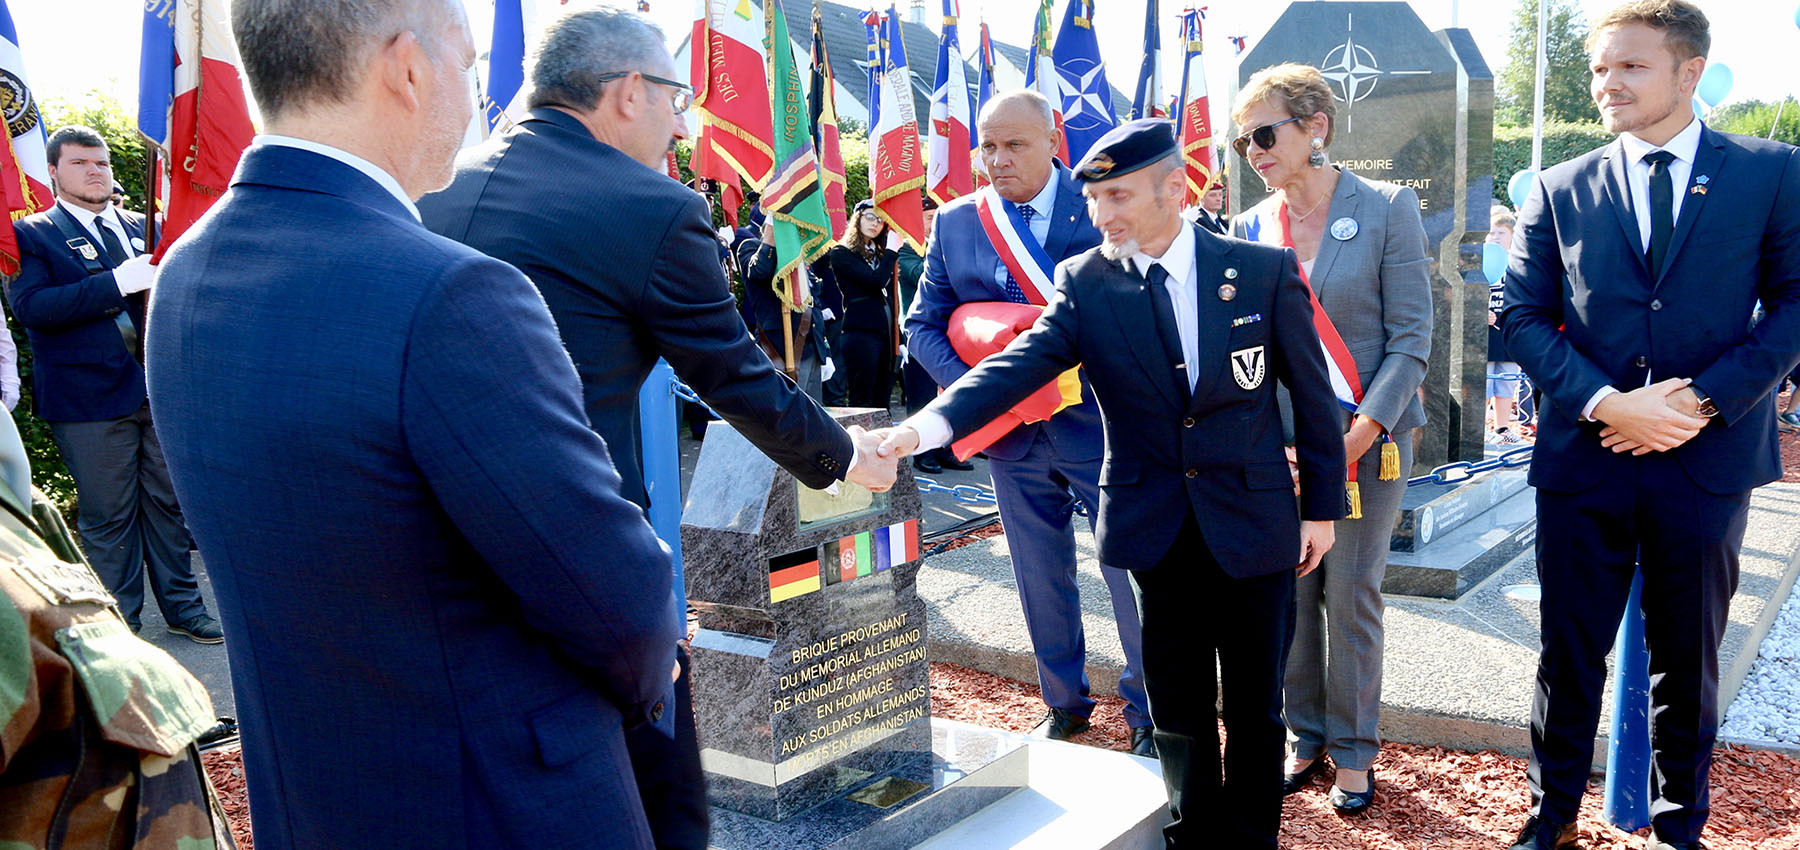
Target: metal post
662, 463
1627, 800
1537, 109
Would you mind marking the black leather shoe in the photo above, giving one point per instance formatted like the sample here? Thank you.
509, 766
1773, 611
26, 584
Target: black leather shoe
1541, 835
949, 461
1143, 741
1655, 843
1292, 783
1352, 803
927, 464
1060, 725
201, 628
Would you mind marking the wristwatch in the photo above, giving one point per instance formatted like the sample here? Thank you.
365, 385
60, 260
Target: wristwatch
1704, 406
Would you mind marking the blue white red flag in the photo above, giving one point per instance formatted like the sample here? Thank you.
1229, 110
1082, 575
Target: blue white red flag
1087, 109
1238, 41
24, 173
503, 102
1194, 115
947, 169
1041, 76
1147, 99
897, 160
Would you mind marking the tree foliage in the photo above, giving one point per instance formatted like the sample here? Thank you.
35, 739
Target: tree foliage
1562, 142
1757, 117
1566, 97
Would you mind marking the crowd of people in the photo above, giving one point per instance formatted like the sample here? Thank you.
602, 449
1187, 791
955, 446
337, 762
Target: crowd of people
391, 389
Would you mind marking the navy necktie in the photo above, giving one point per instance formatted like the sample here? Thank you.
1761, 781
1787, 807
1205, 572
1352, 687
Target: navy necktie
113, 249
1166, 326
1014, 292
1662, 209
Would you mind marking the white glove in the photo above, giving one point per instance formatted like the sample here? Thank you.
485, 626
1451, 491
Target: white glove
827, 370
826, 312
134, 275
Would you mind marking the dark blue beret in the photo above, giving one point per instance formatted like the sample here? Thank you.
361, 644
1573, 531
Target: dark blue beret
1127, 148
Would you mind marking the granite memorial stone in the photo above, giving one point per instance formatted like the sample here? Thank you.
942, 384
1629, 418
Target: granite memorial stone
1414, 108
810, 670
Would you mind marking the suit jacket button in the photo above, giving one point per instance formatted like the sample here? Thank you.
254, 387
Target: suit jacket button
1641, 361
1188, 422
656, 711
1655, 304
1193, 473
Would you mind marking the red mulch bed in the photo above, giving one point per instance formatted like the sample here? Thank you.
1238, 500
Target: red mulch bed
1427, 797
225, 767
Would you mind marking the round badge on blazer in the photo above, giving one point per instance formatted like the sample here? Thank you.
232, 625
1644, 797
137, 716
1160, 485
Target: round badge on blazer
1227, 292
137, 244
1343, 229
1231, 274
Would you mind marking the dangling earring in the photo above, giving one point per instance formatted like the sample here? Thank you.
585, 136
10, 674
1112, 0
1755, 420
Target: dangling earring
1317, 159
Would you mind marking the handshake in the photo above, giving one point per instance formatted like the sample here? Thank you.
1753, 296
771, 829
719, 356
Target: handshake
878, 453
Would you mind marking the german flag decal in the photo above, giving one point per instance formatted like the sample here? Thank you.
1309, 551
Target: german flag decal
793, 574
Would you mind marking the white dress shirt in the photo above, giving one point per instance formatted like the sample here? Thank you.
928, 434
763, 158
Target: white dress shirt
108, 218
1685, 145
1178, 260
373, 171
1041, 205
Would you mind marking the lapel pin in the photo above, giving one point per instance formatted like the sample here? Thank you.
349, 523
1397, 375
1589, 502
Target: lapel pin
1703, 179
1343, 229
1251, 319
1227, 292
1697, 190
1231, 274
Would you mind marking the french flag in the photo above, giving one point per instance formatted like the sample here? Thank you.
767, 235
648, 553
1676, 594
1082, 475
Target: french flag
24, 171
191, 104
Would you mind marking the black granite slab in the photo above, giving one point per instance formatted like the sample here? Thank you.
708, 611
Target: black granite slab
1414, 108
1453, 564
811, 676
1430, 511
967, 769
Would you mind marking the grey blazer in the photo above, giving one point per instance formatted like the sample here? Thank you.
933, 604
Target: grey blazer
1375, 286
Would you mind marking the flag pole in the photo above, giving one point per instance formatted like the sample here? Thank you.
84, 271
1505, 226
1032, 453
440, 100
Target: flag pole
151, 152
787, 329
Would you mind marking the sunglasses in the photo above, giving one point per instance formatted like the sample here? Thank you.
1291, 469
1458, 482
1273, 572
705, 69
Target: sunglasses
1263, 136
684, 93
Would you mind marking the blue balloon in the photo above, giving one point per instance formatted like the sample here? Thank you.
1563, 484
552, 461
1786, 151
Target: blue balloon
1797, 16
1493, 262
1715, 83
1519, 187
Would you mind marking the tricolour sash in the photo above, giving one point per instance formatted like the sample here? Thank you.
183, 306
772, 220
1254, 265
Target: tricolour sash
1345, 383
1012, 240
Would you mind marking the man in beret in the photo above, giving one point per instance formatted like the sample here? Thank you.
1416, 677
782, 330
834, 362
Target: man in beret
1183, 334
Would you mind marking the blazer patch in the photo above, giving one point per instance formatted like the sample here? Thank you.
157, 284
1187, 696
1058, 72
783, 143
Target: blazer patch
1247, 366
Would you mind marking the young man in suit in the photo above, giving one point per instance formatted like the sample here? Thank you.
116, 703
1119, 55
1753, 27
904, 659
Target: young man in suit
576, 197
83, 272
1633, 276
1039, 469
380, 442
1185, 334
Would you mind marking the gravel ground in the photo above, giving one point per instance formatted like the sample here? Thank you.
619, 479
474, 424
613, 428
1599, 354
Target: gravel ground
1767, 707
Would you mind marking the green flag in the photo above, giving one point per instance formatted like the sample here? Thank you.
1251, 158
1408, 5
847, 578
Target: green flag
794, 198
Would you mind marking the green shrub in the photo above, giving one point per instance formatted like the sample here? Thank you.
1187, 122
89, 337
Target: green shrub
1562, 142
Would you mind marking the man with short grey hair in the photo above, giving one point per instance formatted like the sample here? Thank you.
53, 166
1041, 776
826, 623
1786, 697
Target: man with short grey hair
576, 198
443, 613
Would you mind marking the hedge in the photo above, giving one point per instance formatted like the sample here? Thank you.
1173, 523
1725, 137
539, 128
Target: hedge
1562, 142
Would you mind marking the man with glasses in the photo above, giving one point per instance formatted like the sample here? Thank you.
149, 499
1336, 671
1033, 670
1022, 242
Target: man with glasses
577, 199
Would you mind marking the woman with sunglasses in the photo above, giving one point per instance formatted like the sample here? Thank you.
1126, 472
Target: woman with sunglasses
864, 267
1361, 248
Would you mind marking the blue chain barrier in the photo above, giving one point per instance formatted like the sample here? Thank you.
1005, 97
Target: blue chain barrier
685, 393
1463, 470
968, 494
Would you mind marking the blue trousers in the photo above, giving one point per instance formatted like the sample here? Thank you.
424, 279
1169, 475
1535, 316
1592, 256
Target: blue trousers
1036, 497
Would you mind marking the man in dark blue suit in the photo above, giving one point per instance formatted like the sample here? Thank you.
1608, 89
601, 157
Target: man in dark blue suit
1185, 335
1040, 470
443, 612
576, 197
83, 271
1633, 277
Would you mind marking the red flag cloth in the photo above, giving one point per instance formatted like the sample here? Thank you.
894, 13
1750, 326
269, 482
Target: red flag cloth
979, 329
731, 97
209, 124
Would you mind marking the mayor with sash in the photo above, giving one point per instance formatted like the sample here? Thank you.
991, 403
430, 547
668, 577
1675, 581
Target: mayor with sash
1361, 248
988, 270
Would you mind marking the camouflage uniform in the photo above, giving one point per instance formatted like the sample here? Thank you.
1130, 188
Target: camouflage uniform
97, 727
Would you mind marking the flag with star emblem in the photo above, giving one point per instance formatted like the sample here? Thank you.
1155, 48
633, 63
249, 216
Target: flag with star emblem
1087, 111
1041, 76
897, 161
948, 175
1147, 100
1195, 116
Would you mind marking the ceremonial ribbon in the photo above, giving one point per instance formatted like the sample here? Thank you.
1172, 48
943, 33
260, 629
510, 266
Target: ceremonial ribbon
1346, 385
1012, 240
